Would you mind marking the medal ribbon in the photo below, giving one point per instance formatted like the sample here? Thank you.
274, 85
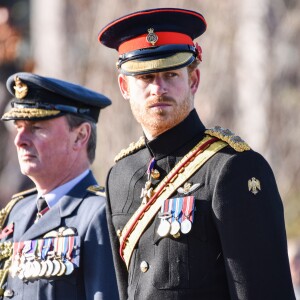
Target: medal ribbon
27, 247
46, 248
65, 245
177, 204
188, 208
40, 247
150, 167
6, 231
71, 241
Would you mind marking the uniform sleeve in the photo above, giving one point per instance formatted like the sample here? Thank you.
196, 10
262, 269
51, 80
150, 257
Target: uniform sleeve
99, 274
249, 216
120, 267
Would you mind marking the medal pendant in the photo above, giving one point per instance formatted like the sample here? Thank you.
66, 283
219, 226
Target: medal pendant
186, 226
43, 269
56, 268
164, 228
50, 268
175, 227
36, 269
28, 268
69, 267
62, 269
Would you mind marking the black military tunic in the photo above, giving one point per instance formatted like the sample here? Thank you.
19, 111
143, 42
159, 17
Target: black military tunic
237, 246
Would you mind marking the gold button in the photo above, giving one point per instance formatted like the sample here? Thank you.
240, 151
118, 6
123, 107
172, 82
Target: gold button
144, 266
119, 233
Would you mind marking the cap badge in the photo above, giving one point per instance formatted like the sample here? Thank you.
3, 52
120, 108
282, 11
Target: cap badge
21, 89
254, 185
151, 38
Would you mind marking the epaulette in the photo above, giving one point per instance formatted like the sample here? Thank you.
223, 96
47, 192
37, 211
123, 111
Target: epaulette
133, 147
234, 141
4, 212
24, 194
97, 190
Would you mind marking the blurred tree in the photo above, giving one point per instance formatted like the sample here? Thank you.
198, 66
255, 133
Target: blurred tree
13, 58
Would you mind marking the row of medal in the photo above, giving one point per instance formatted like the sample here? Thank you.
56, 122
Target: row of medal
177, 215
46, 257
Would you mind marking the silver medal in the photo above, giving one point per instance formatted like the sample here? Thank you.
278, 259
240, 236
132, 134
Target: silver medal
175, 227
186, 226
164, 228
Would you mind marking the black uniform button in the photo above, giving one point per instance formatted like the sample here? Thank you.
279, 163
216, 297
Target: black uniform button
144, 266
8, 293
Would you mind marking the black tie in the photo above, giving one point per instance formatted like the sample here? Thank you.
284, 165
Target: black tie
41, 206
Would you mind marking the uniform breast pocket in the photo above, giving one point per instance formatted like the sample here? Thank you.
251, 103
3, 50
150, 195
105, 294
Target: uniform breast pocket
185, 261
171, 263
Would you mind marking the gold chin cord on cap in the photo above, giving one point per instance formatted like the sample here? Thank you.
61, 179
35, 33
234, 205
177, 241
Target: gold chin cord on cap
178, 59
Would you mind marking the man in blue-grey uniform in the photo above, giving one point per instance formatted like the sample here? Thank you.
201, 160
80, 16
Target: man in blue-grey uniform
54, 238
193, 213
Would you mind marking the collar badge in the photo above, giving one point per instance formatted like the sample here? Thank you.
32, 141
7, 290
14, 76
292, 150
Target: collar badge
254, 185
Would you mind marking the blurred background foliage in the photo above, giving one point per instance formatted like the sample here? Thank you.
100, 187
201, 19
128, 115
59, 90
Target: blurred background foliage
250, 76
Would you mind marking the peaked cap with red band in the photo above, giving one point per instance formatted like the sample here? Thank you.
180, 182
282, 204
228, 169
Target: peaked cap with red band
154, 40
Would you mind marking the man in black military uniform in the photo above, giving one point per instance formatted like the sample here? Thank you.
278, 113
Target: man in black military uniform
193, 213
54, 238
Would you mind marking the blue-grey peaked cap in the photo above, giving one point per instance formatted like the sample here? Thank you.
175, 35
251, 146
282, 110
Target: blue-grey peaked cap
37, 97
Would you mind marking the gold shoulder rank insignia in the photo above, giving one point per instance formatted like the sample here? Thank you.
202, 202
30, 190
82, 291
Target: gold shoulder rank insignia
4, 212
133, 147
25, 193
97, 190
254, 185
234, 141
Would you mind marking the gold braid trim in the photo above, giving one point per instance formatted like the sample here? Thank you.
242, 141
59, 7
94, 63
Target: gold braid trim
6, 248
133, 147
234, 141
4, 212
29, 113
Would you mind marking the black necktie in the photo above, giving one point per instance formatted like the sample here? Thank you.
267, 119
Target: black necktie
41, 207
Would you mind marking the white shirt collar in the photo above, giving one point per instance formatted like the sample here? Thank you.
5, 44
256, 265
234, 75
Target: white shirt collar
55, 195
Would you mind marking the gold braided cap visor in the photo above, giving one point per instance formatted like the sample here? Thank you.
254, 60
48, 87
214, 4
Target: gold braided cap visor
175, 61
29, 113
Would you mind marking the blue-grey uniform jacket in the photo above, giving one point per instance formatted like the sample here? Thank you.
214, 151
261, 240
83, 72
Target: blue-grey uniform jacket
80, 209
237, 246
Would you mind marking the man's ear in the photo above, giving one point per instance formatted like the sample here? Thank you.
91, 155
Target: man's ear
83, 132
194, 80
123, 85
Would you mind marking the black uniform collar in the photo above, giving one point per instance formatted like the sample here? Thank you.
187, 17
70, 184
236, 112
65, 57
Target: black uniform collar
176, 137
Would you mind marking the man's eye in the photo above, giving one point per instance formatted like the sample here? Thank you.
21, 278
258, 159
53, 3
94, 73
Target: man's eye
171, 74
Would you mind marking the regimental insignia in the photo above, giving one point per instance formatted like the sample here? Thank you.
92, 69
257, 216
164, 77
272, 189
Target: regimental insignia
133, 147
188, 188
234, 141
151, 38
254, 185
21, 89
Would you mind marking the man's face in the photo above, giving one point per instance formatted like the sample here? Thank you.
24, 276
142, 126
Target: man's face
45, 148
159, 101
